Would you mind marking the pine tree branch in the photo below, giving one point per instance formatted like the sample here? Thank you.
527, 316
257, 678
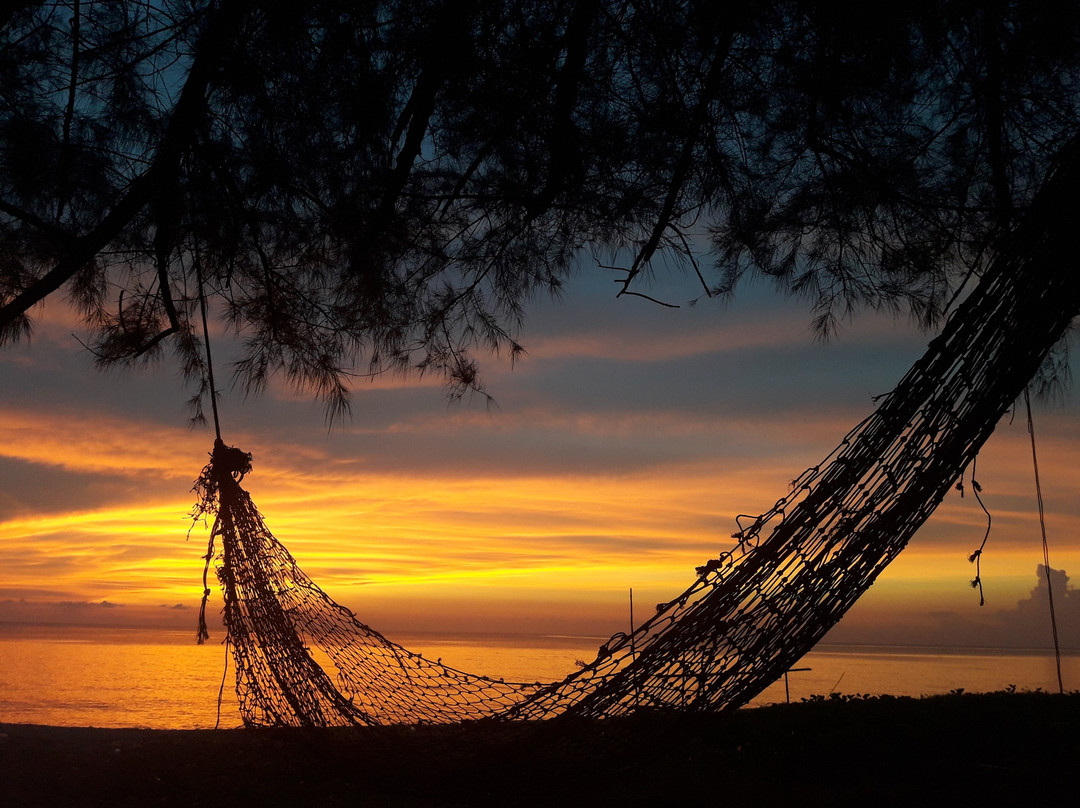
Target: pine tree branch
681, 173
81, 250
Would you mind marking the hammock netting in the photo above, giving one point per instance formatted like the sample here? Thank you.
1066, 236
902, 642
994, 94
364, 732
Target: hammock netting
750, 614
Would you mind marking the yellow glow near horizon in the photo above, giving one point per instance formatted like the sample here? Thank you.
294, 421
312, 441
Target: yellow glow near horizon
556, 535
423, 545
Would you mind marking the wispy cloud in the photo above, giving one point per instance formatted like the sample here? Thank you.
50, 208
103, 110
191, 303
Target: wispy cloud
97, 443
618, 454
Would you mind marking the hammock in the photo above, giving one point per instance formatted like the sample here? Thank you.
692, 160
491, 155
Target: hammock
750, 614
286, 633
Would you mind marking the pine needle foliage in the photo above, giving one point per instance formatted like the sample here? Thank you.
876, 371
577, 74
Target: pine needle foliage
381, 187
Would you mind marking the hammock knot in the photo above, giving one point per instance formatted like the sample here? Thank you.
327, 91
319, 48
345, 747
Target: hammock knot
711, 565
230, 460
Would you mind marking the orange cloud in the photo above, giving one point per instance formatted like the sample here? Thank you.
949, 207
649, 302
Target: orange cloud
94, 443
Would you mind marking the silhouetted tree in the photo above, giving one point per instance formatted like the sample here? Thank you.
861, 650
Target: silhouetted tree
382, 185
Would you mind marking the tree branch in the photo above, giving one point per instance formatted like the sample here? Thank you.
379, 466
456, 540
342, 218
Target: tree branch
81, 250
562, 147
32, 219
69, 113
682, 167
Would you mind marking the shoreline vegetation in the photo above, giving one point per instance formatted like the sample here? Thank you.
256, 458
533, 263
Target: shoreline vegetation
1003, 748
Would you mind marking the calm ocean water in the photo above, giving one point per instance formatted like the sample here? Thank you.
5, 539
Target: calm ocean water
78, 676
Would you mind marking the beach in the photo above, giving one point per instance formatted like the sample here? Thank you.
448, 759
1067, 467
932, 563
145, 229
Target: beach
1003, 748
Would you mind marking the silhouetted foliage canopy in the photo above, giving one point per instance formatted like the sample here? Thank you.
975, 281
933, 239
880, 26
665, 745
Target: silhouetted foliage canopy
359, 187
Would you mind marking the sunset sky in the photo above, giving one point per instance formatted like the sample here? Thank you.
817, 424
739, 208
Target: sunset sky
617, 454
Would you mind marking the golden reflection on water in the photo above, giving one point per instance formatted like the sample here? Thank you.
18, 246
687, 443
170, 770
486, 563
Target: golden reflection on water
109, 677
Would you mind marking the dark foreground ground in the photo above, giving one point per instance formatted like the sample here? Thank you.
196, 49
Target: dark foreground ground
965, 750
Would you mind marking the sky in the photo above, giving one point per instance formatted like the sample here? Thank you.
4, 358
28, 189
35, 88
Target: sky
615, 456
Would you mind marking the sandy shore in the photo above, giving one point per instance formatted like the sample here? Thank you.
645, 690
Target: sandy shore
994, 749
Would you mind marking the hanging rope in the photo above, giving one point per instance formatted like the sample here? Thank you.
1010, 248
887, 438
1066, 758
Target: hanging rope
1045, 545
220, 450
221, 690
203, 633
976, 557
206, 343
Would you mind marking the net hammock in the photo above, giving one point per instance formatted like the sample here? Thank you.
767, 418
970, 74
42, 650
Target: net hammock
751, 613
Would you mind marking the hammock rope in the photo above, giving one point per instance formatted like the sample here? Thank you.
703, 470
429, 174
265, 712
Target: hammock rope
303, 660
1045, 544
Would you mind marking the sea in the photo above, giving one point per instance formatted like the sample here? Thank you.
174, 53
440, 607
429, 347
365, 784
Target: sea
79, 676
